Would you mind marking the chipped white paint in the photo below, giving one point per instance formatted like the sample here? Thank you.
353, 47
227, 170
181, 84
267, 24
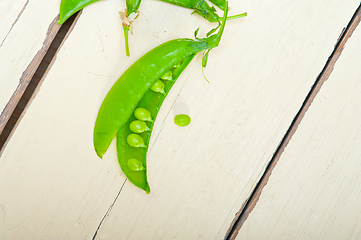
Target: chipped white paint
23, 29
199, 175
314, 191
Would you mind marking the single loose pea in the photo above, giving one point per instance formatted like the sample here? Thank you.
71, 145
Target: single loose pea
135, 164
134, 140
182, 120
138, 126
167, 76
158, 86
143, 114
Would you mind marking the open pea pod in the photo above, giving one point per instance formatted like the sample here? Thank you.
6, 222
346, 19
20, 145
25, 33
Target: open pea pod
134, 136
138, 95
69, 7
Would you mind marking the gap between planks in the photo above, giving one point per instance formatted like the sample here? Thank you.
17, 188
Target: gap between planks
251, 202
28, 74
32, 78
109, 210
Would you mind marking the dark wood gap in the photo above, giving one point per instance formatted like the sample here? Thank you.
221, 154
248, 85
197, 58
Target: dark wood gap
251, 202
33, 84
28, 74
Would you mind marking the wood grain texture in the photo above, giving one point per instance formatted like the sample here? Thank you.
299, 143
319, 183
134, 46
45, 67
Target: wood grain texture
32, 86
27, 29
248, 207
199, 175
314, 190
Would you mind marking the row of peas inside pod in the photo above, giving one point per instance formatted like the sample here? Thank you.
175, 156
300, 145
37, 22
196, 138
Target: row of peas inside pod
144, 122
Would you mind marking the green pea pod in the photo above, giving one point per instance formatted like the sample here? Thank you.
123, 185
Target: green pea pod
69, 7
218, 3
202, 8
129, 89
132, 97
151, 101
128, 16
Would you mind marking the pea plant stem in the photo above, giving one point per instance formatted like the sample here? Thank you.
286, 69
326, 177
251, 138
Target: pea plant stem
237, 16
126, 31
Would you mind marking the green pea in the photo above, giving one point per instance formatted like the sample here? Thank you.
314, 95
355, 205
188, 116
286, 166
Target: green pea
134, 140
143, 114
135, 165
182, 120
138, 126
167, 76
158, 86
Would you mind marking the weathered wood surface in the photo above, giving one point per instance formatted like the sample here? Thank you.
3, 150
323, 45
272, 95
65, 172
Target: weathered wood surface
323, 77
314, 191
27, 29
54, 185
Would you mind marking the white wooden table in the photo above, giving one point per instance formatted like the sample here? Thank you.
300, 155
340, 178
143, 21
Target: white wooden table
206, 175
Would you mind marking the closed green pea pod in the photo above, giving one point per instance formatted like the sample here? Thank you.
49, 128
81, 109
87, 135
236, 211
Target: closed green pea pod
69, 7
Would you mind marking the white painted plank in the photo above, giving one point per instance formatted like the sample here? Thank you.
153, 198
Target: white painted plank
24, 27
199, 175
9, 13
314, 191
